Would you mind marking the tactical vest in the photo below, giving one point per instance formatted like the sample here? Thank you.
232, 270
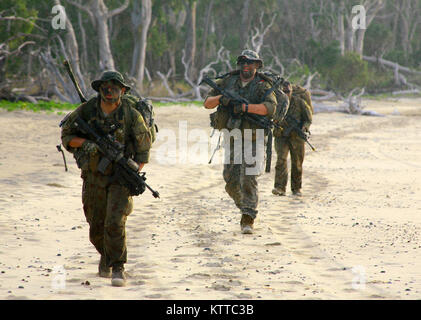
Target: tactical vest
219, 119
117, 125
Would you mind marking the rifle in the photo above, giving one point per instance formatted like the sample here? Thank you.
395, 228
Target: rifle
258, 120
72, 77
293, 125
126, 169
126, 172
69, 70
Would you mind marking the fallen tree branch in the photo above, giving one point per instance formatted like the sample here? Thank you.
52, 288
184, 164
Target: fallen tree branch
164, 79
351, 105
395, 93
391, 64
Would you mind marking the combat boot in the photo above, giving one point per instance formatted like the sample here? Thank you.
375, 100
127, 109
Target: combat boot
297, 193
104, 270
118, 278
246, 224
278, 191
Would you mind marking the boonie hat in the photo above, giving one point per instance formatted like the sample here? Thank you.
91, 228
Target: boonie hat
251, 55
107, 76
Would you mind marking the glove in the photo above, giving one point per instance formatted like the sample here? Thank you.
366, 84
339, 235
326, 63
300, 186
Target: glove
90, 147
238, 108
224, 101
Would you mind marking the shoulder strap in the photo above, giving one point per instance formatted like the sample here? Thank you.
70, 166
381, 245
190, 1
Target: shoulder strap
274, 85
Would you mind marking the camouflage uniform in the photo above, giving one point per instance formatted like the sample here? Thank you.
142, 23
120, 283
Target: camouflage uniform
300, 111
106, 203
240, 186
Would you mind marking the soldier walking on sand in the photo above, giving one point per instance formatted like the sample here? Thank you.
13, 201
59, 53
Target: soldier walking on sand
299, 112
106, 203
241, 183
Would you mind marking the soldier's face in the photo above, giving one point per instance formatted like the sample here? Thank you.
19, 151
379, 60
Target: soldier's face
111, 91
248, 68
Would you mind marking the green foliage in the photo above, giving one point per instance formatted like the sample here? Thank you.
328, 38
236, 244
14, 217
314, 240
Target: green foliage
380, 80
377, 40
396, 56
16, 8
158, 42
323, 57
40, 106
349, 72
61, 107
304, 30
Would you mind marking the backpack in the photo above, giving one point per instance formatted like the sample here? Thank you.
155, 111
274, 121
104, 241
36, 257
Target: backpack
281, 98
301, 92
145, 107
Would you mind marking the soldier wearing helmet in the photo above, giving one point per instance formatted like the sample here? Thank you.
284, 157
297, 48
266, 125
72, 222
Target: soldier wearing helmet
251, 85
106, 203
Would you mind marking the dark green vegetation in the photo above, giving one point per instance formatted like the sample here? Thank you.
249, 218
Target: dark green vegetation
299, 38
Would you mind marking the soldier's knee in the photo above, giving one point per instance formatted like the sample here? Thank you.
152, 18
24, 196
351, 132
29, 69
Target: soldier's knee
114, 227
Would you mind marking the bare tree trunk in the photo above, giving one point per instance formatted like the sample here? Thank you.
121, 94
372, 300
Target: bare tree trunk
84, 56
396, 17
245, 22
341, 33
136, 19
101, 14
409, 20
373, 7
72, 49
191, 6
146, 21
349, 37
106, 60
359, 45
205, 33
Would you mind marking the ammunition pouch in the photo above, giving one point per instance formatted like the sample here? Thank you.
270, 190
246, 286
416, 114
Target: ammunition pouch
233, 122
82, 159
219, 118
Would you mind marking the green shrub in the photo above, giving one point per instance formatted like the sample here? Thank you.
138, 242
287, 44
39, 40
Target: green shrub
40, 106
349, 72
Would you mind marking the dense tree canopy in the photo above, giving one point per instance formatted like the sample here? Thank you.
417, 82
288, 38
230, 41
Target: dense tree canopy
172, 41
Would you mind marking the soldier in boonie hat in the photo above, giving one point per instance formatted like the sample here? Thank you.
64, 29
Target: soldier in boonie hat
110, 86
249, 56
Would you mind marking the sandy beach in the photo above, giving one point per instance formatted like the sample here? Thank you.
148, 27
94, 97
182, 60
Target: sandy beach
354, 234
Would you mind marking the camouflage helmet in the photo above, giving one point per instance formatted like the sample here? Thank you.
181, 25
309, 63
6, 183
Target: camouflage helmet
107, 76
251, 55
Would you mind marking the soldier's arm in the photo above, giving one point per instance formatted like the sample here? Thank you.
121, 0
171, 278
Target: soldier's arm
142, 140
70, 136
212, 101
260, 109
307, 114
267, 107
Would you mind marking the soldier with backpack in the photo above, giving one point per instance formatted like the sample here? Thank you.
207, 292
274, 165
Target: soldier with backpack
247, 83
106, 203
288, 140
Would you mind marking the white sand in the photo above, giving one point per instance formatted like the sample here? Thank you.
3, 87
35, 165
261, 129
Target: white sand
355, 233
